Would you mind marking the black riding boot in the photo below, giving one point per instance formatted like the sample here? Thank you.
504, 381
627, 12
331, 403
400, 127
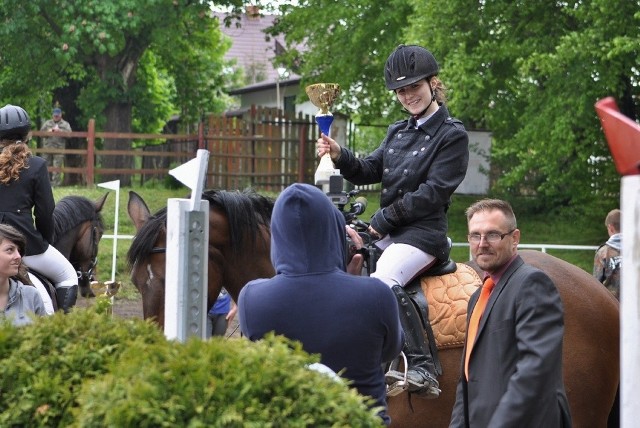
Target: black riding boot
66, 297
420, 374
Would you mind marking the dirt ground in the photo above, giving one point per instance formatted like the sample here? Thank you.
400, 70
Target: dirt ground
121, 308
125, 308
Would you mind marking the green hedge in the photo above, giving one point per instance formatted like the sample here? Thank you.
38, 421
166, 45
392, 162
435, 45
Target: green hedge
91, 370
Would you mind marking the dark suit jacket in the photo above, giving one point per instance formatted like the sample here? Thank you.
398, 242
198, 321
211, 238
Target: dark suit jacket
31, 191
515, 369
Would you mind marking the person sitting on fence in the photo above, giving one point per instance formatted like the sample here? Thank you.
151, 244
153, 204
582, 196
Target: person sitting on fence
25, 189
56, 160
607, 261
18, 302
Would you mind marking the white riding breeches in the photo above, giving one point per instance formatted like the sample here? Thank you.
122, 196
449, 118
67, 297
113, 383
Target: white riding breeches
400, 263
54, 266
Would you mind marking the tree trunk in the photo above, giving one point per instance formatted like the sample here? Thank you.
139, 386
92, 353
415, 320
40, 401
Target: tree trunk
118, 117
67, 97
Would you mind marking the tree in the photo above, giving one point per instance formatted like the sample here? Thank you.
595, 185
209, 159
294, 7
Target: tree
116, 54
346, 42
530, 72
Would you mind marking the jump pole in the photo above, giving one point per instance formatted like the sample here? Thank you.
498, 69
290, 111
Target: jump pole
185, 313
623, 138
630, 302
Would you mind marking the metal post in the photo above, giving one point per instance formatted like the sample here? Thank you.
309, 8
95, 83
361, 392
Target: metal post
187, 255
186, 274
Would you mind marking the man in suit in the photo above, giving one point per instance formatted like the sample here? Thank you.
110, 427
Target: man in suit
512, 361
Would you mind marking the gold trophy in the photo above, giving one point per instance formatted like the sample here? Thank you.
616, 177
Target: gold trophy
323, 95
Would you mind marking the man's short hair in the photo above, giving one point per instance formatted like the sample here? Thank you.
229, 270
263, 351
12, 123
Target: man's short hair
613, 219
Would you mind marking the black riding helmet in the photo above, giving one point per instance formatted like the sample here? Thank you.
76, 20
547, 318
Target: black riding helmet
14, 123
408, 64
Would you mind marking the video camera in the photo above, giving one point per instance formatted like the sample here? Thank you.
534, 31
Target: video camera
340, 198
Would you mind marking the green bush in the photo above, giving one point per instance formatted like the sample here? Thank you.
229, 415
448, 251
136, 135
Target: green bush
89, 370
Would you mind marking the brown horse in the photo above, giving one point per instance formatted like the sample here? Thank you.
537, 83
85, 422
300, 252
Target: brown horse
78, 228
239, 243
590, 353
591, 363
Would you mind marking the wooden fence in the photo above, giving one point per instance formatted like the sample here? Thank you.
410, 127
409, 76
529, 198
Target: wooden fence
263, 148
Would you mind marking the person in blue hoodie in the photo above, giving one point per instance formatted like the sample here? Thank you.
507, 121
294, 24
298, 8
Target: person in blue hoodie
351, 321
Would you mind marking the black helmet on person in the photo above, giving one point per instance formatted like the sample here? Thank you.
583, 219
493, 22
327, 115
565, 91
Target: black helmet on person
408, 64
14, 123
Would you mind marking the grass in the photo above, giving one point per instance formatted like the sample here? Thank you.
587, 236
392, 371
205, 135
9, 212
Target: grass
564, 227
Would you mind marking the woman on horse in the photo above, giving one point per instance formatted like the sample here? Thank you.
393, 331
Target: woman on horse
420, 163
25, 188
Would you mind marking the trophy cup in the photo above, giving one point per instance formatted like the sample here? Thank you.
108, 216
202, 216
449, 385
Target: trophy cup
323, 95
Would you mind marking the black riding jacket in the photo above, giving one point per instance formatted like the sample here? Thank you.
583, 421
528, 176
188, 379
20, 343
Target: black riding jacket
419, 169
31, 191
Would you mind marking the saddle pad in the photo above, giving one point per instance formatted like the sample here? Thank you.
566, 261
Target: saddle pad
448, 296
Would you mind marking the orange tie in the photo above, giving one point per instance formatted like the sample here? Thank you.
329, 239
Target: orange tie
474, 322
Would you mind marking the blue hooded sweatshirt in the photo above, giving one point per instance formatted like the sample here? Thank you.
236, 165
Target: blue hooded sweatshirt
351, 321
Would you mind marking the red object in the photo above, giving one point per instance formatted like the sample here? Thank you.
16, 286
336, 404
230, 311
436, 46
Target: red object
623, 136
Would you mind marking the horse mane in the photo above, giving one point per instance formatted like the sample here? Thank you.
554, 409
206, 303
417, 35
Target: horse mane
248, 213
72, 210
145, 240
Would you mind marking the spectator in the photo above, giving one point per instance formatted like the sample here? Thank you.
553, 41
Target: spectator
420, 163
511, 372
56, 160
18, 302
607, 261
221, 314
351, 321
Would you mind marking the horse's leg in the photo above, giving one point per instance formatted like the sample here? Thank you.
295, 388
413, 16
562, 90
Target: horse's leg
413, 411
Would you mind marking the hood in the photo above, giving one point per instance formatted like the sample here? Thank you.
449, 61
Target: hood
615, 241
307, 232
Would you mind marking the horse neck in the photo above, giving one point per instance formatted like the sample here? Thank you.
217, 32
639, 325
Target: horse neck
67, 241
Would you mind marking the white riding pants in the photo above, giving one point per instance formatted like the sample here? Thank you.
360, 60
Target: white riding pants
54, 266
400, 263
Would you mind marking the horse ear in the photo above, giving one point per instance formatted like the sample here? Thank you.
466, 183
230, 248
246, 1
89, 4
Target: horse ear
137, 209
100, 202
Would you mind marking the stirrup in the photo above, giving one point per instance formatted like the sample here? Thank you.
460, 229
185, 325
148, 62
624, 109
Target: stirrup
400, 386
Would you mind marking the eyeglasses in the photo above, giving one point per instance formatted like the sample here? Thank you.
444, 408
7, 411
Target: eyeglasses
491, 237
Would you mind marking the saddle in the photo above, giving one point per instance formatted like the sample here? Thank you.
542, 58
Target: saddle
46, 288
441, 296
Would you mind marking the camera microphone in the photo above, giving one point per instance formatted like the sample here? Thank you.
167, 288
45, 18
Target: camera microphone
359, 206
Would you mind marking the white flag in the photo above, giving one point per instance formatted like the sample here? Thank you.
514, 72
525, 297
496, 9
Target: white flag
111, 185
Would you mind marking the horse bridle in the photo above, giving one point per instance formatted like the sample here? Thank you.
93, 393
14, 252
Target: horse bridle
88, 275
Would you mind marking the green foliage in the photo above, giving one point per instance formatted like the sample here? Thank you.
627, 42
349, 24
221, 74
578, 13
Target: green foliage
347, 42
85, 369
157, 56
44, 365
530, 72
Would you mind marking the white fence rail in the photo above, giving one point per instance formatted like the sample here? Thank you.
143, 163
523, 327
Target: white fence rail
541, 247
